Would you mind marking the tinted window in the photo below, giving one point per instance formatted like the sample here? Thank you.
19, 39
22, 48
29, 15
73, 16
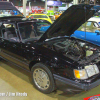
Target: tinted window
8, 32
32, 30
39, 16
96, 25
88, 24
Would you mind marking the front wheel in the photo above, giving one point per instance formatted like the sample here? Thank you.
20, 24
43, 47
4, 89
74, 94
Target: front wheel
42, 78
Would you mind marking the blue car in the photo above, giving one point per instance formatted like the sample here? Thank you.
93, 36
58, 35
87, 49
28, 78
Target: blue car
92, 33
44, 28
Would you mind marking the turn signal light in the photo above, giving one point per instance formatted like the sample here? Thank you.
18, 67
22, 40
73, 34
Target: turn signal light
80, 74
77, 74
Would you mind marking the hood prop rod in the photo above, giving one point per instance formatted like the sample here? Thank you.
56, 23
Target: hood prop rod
85, 23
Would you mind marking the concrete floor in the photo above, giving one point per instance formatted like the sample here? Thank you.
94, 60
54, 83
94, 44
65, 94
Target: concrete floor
14, 79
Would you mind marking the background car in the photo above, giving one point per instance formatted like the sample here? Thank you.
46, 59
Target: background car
57, 14
44, 28
96, 19
91, 33
40, 16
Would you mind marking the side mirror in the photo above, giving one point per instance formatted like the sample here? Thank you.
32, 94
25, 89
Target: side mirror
98, 32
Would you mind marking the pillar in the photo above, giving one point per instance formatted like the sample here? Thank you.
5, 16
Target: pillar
46, 6
24, 7
67, 5
54, 8
29, 6
75, 2
94, 2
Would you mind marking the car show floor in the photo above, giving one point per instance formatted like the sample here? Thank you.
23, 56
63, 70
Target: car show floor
14, 80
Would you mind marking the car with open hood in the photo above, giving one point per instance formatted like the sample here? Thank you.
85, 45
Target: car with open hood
55, 59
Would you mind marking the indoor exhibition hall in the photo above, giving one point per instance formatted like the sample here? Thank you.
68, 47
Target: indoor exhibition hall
49, 49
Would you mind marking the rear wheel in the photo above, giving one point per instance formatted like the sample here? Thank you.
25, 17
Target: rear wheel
42, 78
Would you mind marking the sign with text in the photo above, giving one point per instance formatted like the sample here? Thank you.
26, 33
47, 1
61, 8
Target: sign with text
95, 97
54, 3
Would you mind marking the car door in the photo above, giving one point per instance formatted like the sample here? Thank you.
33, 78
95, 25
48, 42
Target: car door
10, 45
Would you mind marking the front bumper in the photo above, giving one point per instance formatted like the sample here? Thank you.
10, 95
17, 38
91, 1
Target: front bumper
65, 83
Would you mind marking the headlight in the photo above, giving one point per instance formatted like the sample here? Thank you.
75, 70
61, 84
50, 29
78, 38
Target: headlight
80, 74
92, 70
89, 71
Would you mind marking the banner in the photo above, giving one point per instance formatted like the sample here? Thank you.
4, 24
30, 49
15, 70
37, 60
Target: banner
95, 97
54, 3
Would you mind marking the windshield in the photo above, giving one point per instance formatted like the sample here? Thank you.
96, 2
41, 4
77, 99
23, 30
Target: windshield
32, 30
39, 16
4, 13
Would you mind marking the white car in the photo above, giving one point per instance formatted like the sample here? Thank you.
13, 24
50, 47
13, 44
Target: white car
96, 19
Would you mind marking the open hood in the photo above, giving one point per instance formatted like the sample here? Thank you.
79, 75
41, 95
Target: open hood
8, 7
4, 5
70, 21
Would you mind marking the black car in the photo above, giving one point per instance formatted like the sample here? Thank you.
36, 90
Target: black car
55, 59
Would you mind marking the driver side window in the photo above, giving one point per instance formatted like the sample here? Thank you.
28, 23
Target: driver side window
8, 32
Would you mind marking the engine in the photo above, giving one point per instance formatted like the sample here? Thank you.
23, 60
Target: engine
74, 49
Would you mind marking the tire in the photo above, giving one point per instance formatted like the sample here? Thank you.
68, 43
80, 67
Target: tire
42, 78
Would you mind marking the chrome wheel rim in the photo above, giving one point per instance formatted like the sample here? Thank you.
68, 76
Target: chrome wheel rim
41, 79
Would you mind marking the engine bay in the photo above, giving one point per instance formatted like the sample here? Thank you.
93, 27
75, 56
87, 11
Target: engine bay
74, 49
